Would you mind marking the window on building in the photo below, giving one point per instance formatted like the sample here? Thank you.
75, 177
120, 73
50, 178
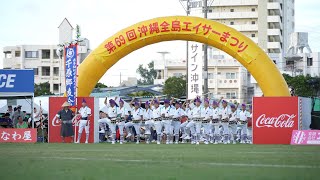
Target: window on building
56, 71
55, 87
31, 54
7, 55
36, 71
231, 75
253, 9
231, 23
17, 53
219, 73
231, 10
210, 11
46, 54
253, 35
45, 71
177, 74
55, 56
231, 95
210, 75
253, 22
309, 61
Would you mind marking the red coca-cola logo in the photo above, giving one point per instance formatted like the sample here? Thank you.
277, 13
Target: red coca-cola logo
75, 121
282, 121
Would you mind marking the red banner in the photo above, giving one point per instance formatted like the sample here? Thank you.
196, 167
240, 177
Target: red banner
18, 135
274, 119
55, 125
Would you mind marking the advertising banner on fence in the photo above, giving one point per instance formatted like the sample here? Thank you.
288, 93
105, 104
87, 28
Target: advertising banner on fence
55, 125
305, 137
274, 119
18, 135
195, 70
71, 73
16, 80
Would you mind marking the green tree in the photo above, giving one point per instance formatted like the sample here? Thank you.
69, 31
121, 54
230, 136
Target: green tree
147, 74
175, 87
42, 89
304, 86
100, 85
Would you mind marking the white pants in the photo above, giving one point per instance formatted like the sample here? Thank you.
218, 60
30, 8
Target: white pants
158, 125
216, 128
243, 128
104, 120
176, 127
191, 127
83, 125
233, 129
225, 126
148, 124
183, 127
121, 126
207, 128
168, 126
136, 126
196, 126
249, 131
113, 127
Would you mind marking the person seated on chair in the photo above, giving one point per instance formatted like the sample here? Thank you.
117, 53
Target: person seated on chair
21, 124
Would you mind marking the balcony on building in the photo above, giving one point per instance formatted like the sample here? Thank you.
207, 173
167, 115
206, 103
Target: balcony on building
245, 27
274, 8
216, 61
234, 3
274, 19
274, 35
274, 45
232, 15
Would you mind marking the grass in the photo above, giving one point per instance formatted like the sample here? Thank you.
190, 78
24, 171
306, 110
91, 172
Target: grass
183, 161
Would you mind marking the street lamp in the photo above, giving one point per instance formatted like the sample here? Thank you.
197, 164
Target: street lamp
59, 53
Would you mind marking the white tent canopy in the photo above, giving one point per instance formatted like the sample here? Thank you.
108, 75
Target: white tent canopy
26, 106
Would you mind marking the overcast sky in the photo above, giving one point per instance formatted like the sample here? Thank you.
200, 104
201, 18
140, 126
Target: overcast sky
36, 21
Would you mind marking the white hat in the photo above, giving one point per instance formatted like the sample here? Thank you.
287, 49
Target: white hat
65, 104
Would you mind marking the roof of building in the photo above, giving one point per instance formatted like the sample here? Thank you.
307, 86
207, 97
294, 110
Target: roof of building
65, 19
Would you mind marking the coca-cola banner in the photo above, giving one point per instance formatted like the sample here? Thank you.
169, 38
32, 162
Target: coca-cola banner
274, 119
55, 125
305, 137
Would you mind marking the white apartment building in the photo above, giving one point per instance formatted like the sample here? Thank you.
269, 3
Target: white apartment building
267, 22
42, 58
226, 77
48, 67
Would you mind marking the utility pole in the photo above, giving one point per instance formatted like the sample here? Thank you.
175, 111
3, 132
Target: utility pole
205, 53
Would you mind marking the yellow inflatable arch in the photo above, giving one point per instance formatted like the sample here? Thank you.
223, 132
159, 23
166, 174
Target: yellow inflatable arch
188, 28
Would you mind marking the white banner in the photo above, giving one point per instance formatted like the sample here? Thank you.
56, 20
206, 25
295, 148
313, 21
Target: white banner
195, 62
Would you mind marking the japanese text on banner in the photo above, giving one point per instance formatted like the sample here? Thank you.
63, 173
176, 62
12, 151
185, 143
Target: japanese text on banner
195, 70
175, 26
71, 74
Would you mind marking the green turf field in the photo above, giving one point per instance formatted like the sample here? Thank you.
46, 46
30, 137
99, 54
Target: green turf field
183, 161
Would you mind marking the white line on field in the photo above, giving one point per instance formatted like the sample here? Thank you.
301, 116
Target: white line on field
149, 150
204, 163
263, 165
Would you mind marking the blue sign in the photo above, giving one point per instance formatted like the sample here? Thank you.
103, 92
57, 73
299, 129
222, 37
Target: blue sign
16, 80
71, 74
